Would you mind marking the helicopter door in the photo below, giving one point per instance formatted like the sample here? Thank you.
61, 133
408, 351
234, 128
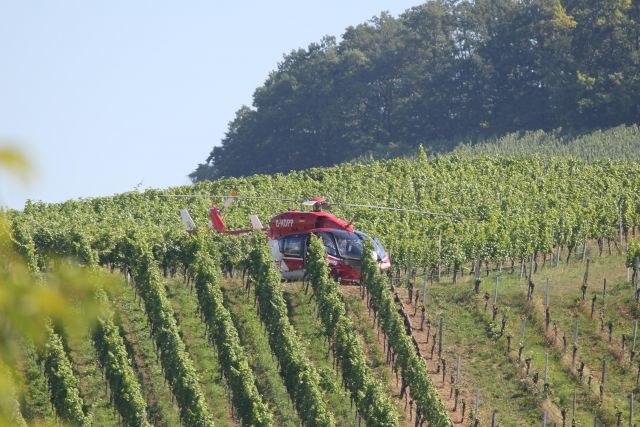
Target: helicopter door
329, 244
293, 249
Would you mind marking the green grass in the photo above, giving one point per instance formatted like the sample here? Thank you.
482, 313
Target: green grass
484, 364
92, 385
501, 380
309, 329
261, 360
161, 411
185, 305
593, 345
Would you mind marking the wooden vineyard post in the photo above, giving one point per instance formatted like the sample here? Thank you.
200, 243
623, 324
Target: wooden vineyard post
575, 345
636, 261
454, 384
495, 299
547, 311
553, 245
631, 410
424, 291
493, 418
610, 325
439, 254
620, 224
602, 381
546, 299
524, 327
544, 419
476, 413
443, 362
585, 281
533, 260
546, 372
440, 337
573, 409
633, 346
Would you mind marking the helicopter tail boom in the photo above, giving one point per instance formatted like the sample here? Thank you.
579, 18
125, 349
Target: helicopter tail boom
217, 223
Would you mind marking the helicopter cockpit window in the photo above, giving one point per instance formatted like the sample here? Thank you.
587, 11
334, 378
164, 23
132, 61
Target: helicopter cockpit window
349, 244
293, 246
329, 244
382, 254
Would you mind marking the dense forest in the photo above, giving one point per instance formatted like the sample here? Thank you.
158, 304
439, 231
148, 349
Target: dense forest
439, 73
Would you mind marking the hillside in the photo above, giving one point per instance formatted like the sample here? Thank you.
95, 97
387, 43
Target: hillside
202, 347
502, 207
619, 143
438, 74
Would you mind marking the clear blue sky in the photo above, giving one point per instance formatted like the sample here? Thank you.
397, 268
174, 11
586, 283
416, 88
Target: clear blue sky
105, 96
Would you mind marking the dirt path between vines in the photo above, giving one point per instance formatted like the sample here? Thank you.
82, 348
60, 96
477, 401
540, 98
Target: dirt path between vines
425, 344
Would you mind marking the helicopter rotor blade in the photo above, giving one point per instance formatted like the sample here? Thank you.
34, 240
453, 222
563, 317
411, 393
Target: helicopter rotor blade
311, 202
389, 208
231, 197
185, 195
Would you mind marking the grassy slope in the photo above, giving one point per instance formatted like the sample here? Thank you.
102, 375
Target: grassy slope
501, 380
160, 407
484, 365
262, 362
593, 346
185, 304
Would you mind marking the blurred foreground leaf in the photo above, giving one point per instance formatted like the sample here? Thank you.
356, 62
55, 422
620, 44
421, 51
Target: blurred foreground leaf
66, 298
14, 162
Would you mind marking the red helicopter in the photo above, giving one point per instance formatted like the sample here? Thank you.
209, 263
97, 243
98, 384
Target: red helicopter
290, 231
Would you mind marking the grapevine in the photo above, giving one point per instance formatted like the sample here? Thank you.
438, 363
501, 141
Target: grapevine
372, 402
125, 389
300, 378
223, 333
63, 384
177, 364
413, 368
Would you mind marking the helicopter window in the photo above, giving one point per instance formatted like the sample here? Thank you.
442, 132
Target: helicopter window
382, 254
349, 244
293, 246
329, 244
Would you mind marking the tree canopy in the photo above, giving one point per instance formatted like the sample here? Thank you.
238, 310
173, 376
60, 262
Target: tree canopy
438, 73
